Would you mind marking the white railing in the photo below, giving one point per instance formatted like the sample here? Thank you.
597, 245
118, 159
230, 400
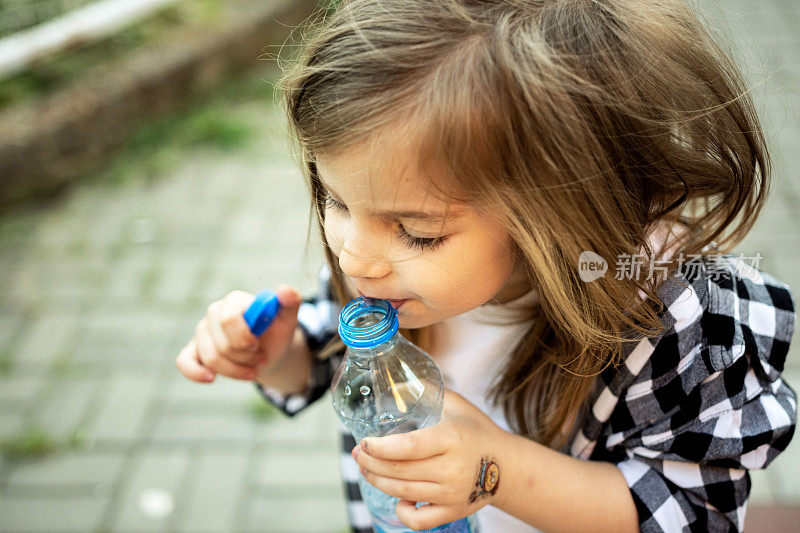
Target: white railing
85, 23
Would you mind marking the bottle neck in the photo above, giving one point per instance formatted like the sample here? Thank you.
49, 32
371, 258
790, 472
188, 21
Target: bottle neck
376, 351
366, 324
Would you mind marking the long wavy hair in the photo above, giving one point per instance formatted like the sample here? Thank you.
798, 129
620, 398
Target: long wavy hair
580, 124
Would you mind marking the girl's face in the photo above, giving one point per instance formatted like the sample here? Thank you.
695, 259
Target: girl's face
394, 241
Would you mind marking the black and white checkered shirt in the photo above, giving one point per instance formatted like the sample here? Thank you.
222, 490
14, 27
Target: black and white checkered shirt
684, 417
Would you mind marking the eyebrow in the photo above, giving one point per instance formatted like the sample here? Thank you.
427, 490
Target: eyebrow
428, 216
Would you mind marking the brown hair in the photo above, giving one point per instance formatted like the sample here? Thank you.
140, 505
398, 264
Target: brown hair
582, 124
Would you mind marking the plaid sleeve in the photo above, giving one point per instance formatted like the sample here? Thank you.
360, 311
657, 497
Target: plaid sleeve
696, 408
318, 318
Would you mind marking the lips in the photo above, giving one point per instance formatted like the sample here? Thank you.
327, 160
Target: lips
395, 303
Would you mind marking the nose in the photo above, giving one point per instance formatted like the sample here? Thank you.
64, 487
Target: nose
355, 264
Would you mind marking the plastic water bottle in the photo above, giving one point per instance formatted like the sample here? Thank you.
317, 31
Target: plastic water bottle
386, 385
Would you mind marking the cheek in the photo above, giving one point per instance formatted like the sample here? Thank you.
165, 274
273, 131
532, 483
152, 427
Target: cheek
468, 276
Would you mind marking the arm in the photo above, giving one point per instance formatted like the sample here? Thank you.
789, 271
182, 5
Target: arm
555, 492
301, 378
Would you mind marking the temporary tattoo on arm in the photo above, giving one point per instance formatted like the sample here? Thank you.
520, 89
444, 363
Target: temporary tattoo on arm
488, 480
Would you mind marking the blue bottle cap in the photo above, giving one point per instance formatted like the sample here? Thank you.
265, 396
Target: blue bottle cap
381, 329
262, 311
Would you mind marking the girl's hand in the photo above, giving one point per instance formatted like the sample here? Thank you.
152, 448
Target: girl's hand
223, 342
450, 465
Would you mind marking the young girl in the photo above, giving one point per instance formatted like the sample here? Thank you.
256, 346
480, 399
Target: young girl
548, 191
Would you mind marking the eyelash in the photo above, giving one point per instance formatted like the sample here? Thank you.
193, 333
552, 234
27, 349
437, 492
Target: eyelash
421, 243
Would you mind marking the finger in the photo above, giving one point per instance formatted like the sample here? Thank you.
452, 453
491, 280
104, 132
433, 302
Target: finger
209, 357
234, 351
425, 516
232, 323
421, 491
420, 470
411, 446
188, 362
288, 297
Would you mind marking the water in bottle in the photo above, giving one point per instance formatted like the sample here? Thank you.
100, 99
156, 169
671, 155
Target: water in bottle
386, 385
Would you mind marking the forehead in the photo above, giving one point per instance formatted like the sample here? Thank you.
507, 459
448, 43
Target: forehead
387, 174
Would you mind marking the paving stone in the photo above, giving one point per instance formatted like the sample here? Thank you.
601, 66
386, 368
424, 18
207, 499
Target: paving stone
60, 230
276, 222
149, 498
68, 470
311, 425
9, 325
297, 468
235, 427
251, 278
247, 227
63, 514
114, 228
126, 335
269, 256
761, 491
183, 393
11, 424
179, 188
220, 180
47, 336
296, 512
179, 276
784, 469
127, 274
65, 406
124, 405
17, 391
215, 492
286, 264
199, 226
64, 277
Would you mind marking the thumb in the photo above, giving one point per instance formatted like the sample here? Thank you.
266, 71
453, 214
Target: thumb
289, 299
286, 320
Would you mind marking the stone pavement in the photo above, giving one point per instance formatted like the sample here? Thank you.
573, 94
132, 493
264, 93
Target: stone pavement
100, 288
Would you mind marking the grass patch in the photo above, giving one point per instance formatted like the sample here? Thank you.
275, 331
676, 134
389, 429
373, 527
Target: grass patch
160, 146
33, 442
211, 126
6, 363
78, 439
261, 410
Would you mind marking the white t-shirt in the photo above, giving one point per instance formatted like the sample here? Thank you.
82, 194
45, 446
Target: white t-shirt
471, 349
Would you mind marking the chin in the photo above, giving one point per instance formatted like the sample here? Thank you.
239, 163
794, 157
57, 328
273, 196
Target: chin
412, 322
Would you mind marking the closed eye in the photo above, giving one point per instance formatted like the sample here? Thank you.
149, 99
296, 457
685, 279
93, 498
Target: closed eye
421, 243
331, 202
